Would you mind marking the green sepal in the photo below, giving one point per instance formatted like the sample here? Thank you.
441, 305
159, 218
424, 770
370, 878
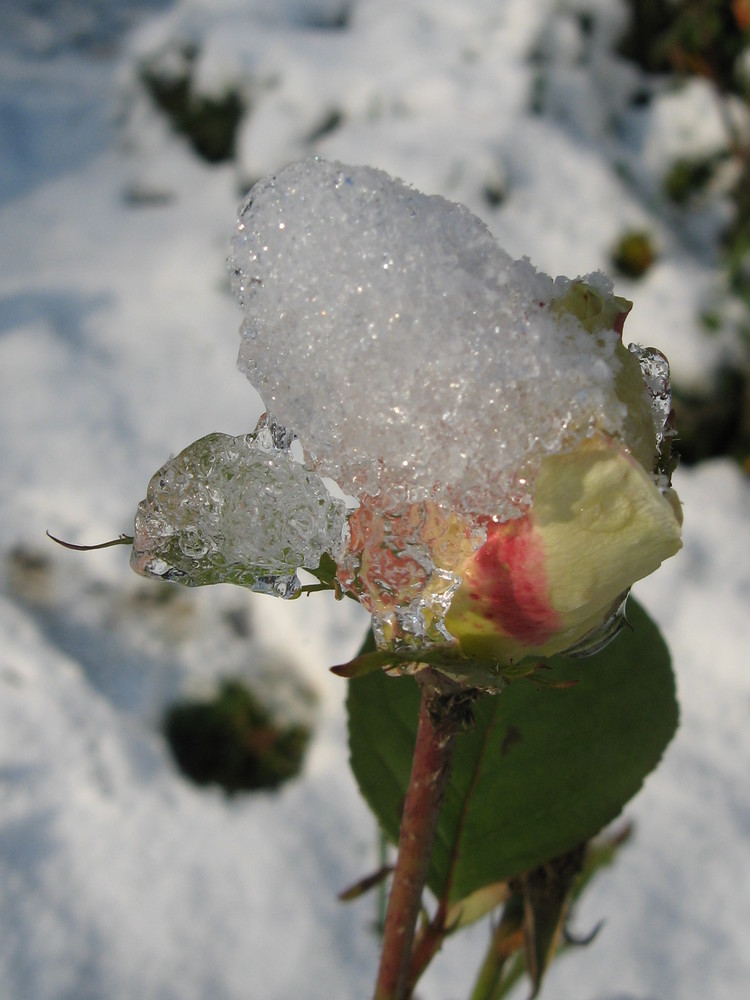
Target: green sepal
546, 899
470, 671
593, 310
326, 571
365, 663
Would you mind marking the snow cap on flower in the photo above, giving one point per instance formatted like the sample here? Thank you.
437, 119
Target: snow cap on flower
497, 442
500, 439
411, 355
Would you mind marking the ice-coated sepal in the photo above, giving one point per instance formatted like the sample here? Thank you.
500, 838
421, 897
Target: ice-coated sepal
237, 510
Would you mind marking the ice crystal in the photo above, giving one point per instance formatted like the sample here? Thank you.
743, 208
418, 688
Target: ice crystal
237, 510
410, 353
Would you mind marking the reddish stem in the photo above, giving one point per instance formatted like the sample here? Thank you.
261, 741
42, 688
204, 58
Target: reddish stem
428, 942
429, 776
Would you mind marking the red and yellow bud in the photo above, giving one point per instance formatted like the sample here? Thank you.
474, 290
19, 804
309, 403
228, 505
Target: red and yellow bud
542, 582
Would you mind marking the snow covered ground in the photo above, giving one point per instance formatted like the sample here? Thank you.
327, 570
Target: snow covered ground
118, 879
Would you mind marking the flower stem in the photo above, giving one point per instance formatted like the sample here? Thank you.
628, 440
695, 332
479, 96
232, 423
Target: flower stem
440, 718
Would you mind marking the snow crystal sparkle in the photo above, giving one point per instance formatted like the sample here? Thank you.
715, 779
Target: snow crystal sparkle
408, 351
499, 441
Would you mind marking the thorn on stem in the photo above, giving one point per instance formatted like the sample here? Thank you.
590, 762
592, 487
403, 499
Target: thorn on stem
363, 885
581, 941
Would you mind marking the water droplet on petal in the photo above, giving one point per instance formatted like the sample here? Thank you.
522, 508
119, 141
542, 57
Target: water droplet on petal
656, 376
596, 640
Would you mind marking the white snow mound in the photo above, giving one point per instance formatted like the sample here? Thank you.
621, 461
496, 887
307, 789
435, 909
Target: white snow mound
405, 348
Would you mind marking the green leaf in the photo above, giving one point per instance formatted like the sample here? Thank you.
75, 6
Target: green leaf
541, 771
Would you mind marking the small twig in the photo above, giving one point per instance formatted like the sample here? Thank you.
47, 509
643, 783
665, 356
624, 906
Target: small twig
312, 588
365, 884
582, 940
428, 942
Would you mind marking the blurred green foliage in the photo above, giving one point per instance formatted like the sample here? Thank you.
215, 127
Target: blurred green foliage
715, 420
708, 39
697, 37
688, 177
232, 741
209, 123
634, 253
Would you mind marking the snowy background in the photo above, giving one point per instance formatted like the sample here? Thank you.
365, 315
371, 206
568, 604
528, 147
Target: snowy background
118, 878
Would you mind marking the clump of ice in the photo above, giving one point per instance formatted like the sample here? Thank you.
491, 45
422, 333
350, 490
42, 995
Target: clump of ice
658, 382
413, 357
237, 510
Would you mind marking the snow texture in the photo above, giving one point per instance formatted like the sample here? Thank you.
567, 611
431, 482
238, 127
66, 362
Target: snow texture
409, 352
117, 345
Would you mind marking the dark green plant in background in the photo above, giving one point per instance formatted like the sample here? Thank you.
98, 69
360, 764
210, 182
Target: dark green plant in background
709, 39
703, 37
208, 122
634, 253
232, 741
689, 177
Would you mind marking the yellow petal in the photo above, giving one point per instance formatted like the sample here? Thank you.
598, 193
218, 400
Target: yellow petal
605, 524
597, 524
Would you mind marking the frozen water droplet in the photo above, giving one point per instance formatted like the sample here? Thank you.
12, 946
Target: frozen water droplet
656, 377
603, 634
270, 436
191, 542
237, 510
